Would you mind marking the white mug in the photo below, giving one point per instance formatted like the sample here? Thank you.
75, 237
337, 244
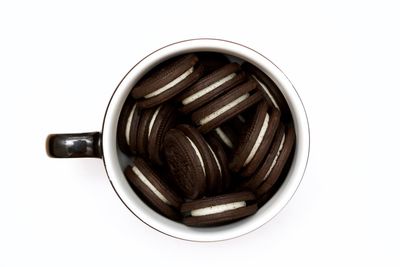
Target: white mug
104, 144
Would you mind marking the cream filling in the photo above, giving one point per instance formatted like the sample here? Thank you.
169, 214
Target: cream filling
152, 121
276, 157
198, 155
128, 125
259, 139
208, 89
225, 108
171, 83
216, 160
267, 91
224, 137
217, 208
149, 185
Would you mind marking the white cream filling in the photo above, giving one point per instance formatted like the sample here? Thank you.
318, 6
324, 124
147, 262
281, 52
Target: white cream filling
171, 83
198, 155
128, 125
152, 121
149, 185
267, 91
225, 108
217, 208
259, 139
276, 157
224, 137
216, 160
208, 89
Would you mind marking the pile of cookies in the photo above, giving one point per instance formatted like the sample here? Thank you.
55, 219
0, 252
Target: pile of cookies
210, 139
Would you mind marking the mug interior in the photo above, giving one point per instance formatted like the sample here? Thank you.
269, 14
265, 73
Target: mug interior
115, 161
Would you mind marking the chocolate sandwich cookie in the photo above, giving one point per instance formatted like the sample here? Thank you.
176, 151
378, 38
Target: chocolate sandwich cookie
270, 170
142, 138
221, 159
167, 80
272, 91
211, 86
218, 210
151, 187
256, 140
226, 135
162, 119
191, 162
227, 106
127, 126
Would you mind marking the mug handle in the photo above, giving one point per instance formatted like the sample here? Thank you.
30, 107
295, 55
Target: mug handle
78, 145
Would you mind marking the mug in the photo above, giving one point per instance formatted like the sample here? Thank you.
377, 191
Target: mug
104, 144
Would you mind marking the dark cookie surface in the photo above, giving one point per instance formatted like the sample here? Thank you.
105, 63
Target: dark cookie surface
256, 139
127, 126
185, 164
153, 189
210, 87
163, 119
223, 164
212, 61
268, 173
218, 210
272, 92
226, 106
167, 80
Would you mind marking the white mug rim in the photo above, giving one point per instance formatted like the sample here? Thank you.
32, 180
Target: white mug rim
175, 229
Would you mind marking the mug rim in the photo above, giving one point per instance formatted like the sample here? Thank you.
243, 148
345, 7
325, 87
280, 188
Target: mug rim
177, 230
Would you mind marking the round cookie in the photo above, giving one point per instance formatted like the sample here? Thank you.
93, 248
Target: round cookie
190, 161
270, 170
127, 126
271, 90
167, 80
227, 106
218, 210
256, 140
149, 185
210, 87
261, 200
142, 131
163, 118
213, 168
226, 136
221, 158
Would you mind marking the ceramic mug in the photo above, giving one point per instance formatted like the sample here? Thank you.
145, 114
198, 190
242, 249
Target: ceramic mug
104, 144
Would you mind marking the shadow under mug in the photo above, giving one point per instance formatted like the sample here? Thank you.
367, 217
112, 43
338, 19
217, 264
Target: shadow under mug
104, 144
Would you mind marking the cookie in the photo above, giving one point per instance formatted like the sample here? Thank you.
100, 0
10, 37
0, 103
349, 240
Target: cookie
221, 159
274, 95
226, 135
149, 184
218, 210
264, 198
227, 106
210, 87
256, 139
163, 118
191, 162
271, 168
127, 127
142, 131
167, 80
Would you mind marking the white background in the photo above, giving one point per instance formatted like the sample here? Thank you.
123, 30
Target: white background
59, 64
